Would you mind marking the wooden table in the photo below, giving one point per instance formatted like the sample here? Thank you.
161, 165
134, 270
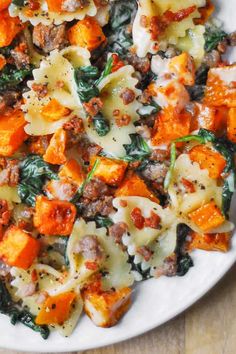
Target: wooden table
209, 327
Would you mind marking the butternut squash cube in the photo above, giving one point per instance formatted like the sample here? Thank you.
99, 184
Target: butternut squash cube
54, 111
12, 132
86, 33
56, 309
183, 67
133, 185
54, 217
210, 242
9, 28
55, 153
18, 248
208, 159
207, 217
106, 308
72, 171
231, 125
108, 170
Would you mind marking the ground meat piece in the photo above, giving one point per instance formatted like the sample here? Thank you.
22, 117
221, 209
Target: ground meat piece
144, 131
95, 189
127, 95
172, 51
232, 39
140, 64
10, 172
49, 37
123, 121
145, 252
75, 124
4, 269
40, 89
159, 155
212, 59
8, 100
90, 248
117, 231
5, 213
168, 268
153, 221
20, 55
93, 106
222, 46
73, 5
102, 206
155, 172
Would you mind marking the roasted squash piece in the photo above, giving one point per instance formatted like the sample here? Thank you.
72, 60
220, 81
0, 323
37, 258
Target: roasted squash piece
106, 308
231, 125
86, 33
39, 144
55, 153
12, 132
133, 185
2, 62
210, 242
207, 217
4, 4
72, 171
221, 87
54, 217
208, 159
210, 118
170, 125
108, 170
18, 248
9, 28
183, 67
55, 5
56, 309
54, 111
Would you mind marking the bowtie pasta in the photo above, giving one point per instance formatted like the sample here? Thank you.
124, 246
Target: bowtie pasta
118, 133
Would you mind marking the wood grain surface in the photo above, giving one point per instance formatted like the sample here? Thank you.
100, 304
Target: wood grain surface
208, 327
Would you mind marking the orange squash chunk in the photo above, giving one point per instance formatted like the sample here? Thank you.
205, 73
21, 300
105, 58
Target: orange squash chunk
73, 172
133, 185
4, 4
54, 111
18, 248
86, 33
2, 62
210, 242
56, 309
210, 118
169, 126
183, 67
9, 28
221, 87
55, 153
207, 217
12, 132
208, 159
54, 217
54, 5
105, 308
108, 170
231, 125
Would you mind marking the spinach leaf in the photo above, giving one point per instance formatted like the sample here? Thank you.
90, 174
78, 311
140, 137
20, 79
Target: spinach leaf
10, 77
184, 261
121, 13
103, 221
87, 80
19, 3
9, 308
145, 274
213, 36
101, 125
148, 109
137, 150
33, 173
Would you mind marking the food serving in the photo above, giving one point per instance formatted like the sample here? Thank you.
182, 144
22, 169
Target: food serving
118, 133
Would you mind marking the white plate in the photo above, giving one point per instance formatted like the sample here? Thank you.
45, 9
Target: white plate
154, 301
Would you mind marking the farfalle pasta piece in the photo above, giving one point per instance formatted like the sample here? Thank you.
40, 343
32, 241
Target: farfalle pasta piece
56, 75
48, 13
111, 88
148, 15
